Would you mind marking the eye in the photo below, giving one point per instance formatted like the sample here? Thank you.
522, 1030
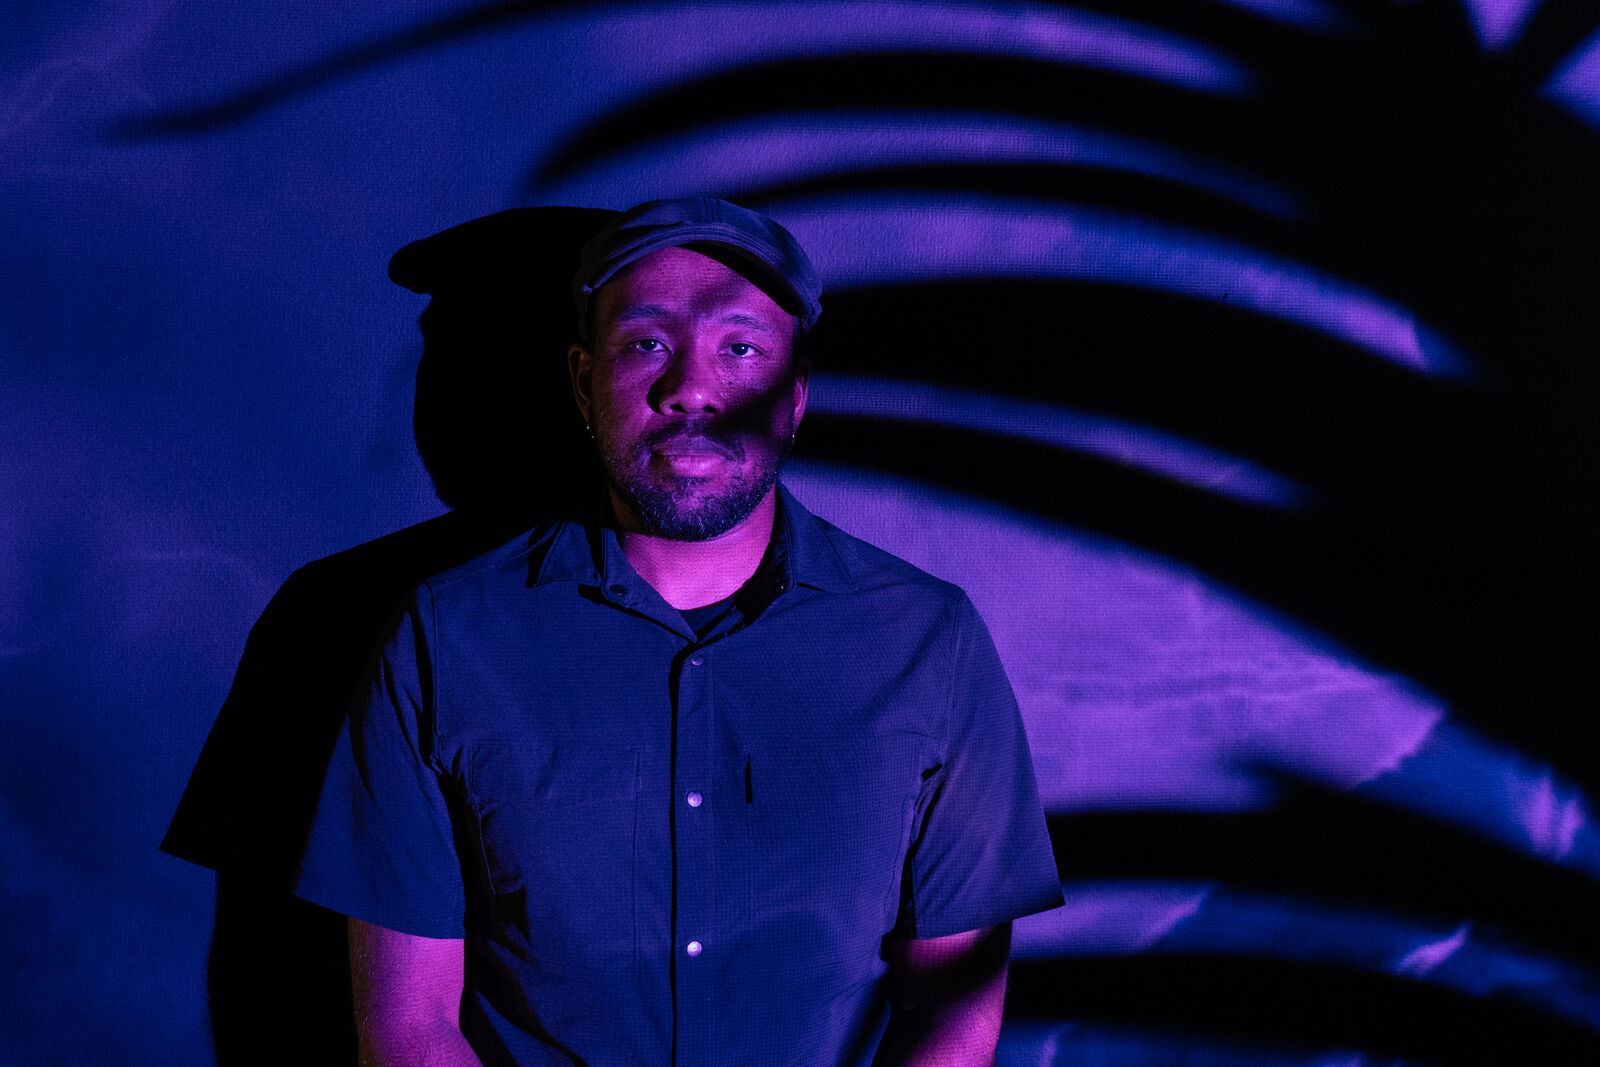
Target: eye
743, 350
645, 345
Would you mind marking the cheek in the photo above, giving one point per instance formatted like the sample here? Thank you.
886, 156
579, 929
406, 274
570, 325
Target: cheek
781, 403
618, 394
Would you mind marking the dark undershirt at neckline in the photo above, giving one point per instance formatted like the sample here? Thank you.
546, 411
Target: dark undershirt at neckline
702, 619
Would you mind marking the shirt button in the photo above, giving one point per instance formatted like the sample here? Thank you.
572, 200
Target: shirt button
617, 590
694, 948
694, 799
697, 660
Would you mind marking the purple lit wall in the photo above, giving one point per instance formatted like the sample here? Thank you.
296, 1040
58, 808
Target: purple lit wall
1237, 355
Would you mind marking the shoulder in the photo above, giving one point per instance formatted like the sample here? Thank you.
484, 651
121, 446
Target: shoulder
512, 559
832, 554
500, 575
871, 565
465, 599
391, 568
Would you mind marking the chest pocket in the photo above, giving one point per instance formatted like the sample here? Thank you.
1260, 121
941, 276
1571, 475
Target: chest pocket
829, 827
556, 825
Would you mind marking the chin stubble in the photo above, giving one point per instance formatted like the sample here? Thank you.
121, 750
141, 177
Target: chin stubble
679, 509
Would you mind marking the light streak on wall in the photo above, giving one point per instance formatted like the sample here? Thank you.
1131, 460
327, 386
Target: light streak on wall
1035, 31
1498, 23
784, 148
1137, 446
1030, 1043
1310, 14
872, 238
1463, 779
1575, 84
1211, 919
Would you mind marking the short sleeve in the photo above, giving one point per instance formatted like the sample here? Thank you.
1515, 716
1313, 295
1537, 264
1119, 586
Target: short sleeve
381, 847
981, 854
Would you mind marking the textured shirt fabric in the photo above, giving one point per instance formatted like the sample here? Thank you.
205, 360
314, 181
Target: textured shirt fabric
668, 849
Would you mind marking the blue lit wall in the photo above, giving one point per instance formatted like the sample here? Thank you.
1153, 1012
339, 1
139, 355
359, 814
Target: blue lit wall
1237, 356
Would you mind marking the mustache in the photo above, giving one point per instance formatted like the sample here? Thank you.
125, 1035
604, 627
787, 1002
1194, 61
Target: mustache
698, 433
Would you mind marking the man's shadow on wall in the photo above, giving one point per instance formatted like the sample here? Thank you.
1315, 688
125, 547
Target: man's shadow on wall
499, 433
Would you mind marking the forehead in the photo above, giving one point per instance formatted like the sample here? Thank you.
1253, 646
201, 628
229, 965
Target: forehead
681, 282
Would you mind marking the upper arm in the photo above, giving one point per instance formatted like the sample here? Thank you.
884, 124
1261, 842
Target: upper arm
980, 851
382, 843
407, 994
947, 995
931, 970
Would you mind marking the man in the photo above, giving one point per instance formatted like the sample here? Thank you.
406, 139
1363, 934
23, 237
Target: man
699, 779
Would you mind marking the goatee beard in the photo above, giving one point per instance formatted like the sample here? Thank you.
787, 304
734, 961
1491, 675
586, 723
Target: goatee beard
679, 508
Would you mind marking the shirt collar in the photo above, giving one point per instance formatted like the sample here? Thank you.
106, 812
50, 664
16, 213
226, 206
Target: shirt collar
802, 549
586, 551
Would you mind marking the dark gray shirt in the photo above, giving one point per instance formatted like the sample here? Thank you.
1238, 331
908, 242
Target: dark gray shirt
662, 848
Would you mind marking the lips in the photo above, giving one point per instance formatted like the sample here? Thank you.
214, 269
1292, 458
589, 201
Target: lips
690, 445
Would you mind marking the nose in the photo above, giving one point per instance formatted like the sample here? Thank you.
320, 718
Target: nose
689, 384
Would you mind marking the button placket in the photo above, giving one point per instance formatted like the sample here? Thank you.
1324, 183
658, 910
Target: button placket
696, 868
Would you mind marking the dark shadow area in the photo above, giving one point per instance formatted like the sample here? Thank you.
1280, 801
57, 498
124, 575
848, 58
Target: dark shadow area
1343, 850
976, 85
1303, 1008
499, 433
1070, 187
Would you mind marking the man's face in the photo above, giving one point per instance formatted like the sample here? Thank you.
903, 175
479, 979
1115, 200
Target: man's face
691, 390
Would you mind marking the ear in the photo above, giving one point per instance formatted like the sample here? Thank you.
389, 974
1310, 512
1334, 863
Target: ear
802, 382
579, 367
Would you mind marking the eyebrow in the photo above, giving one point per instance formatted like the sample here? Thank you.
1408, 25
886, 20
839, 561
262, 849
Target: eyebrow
646, 312
641, 311
735, 318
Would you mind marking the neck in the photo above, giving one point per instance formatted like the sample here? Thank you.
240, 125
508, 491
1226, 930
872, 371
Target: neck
691, 574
